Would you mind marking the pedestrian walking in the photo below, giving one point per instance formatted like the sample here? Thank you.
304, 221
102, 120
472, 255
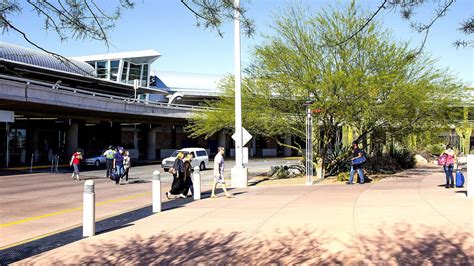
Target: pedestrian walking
75, 162
219, 173
109, 161
188, 169
126, 164
357, 160
118, 165
177, 187
448, 165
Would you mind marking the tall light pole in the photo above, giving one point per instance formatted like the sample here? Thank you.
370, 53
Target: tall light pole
309, 143
238, 172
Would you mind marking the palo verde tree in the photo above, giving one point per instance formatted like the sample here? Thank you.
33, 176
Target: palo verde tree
369, 83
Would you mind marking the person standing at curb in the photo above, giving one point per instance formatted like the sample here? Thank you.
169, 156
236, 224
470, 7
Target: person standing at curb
126, 164
177, 171
448, 166
356, 154
75, 162
109, 161
219, 173
188, 169
118, 165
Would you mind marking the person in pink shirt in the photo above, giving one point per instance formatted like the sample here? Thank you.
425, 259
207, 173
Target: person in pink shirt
449, 165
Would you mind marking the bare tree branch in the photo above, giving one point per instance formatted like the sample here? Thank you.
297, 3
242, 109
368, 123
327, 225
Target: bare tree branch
63, 59
382, 6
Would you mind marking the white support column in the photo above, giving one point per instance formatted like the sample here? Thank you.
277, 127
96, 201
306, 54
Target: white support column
470, 176
239, 174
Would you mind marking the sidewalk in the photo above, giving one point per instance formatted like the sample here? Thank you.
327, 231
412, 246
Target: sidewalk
407, 219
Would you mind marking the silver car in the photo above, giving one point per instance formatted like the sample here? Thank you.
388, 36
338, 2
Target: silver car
95, 160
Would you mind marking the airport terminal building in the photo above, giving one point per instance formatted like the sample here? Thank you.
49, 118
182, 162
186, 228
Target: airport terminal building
52, 106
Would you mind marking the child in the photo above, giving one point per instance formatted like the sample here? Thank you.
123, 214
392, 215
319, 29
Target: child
126, 165
75, 162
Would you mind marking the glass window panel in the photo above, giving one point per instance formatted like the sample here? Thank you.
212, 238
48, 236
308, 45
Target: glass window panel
114, 67
124, 71
134, 73
101, 68
144, 75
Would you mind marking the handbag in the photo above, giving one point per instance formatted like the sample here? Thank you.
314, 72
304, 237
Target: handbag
172, 171
359, 160
442, 159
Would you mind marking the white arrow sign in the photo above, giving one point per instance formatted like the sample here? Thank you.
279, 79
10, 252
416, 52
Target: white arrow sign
245, 136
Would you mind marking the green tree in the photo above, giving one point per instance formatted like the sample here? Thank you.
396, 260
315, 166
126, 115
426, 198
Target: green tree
368, 83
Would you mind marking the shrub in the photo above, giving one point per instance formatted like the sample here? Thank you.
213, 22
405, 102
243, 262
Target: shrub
343, 176
286, 171
404, 158
391, 162
435, 149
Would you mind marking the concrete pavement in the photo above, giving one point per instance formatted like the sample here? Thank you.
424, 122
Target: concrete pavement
34, 205
407, 219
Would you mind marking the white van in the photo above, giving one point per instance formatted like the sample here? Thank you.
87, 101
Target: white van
201, 158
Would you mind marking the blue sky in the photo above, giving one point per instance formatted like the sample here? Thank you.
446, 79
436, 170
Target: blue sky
168, 27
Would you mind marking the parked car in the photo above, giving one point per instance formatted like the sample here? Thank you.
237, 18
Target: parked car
201, 158
95, 160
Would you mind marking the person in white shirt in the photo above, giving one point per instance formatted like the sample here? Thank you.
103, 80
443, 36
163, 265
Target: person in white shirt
219, 173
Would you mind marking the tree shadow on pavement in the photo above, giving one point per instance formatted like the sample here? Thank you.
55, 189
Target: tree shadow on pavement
403, 245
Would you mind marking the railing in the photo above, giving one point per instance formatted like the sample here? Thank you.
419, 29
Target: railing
127, 100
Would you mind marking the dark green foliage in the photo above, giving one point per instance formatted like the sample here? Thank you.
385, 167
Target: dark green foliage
391, 162
287, 171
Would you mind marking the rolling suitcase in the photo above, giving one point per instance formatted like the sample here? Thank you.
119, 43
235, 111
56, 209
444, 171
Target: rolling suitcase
459, 178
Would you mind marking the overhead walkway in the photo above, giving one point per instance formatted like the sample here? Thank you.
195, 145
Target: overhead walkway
21, 94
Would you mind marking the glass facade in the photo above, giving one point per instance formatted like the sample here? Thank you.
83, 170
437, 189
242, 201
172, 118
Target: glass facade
144, 79
124, 73
114, 69
134, 73
101, 68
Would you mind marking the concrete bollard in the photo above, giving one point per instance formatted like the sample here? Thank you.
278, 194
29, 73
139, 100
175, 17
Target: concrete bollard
197, 183
470, 176
156, 191
88, 217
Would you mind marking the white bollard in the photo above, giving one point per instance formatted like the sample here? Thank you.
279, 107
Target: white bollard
197, 183
470, 176
88, 217
156, 191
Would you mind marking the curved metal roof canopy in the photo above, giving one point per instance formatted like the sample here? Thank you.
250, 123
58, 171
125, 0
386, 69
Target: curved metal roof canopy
42, 59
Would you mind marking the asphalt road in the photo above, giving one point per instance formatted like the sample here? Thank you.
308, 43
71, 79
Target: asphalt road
38, 204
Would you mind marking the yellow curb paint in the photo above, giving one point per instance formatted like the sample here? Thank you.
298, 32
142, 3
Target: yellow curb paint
67, 228
71, 210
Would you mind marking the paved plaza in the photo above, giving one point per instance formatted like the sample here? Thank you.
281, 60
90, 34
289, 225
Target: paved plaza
406, 219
